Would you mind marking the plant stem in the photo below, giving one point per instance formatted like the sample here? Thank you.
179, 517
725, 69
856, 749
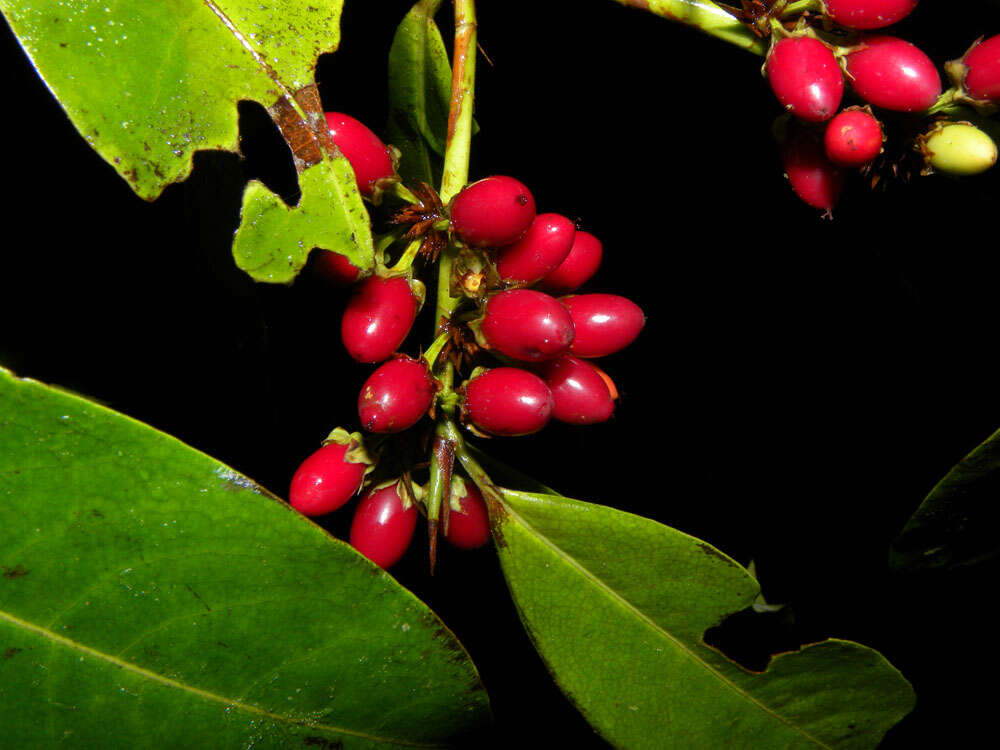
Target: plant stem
705, 16
435, 349
406, 259
801, 6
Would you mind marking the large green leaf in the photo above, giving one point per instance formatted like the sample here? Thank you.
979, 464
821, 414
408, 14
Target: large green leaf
617, 606
149, 83
152, 597
958, 523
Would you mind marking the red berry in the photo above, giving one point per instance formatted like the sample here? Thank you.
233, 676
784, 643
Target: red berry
325, 480
982, 79
493, 212
335, 267
813, 177
868, 14
544, 246
612, 389
853, 138
382, 528
805, 77
369, 157
396, 395
603, 323
469, 527
579, 393
893, 74
377, 318
526, 325
581, 263
508, 401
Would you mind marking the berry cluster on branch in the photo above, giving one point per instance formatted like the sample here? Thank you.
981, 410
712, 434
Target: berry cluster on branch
512, 325
898, 120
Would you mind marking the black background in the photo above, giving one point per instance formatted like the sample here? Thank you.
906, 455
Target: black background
800, 386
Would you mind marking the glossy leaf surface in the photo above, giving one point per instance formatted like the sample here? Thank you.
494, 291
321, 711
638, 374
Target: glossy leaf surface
152, 597
617, 606
958, 523
148, 84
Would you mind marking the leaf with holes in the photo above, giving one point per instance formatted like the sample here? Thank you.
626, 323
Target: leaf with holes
152, 597
149, 84
957, 524
617, 606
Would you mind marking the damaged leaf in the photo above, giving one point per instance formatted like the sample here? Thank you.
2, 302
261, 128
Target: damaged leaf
617, 606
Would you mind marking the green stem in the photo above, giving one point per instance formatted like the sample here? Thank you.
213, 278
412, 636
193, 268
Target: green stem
435, 349
476, 472
801, 6
705, 16
406, 259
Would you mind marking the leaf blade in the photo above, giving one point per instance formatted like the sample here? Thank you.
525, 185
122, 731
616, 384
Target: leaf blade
145, 581
617, 605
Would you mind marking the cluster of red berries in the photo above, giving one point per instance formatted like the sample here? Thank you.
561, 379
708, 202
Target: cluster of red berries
807, 67
543, 337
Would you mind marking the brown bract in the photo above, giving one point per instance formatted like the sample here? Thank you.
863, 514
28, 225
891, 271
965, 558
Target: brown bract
421, 218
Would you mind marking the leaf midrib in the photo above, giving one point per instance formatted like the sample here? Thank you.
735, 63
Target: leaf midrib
653, 625
191, 689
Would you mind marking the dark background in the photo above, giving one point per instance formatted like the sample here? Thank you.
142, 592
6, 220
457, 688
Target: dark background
800, 386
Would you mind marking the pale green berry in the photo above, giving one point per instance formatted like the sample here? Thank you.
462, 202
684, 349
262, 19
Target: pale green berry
960, 149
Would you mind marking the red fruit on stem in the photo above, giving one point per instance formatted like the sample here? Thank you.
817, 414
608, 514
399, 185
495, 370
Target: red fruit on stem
377, 318
982, 77
508, 401
335, 268
469, 528
582, 262
867, 14
805, 77
382, 528
580, 394
612, 388
543, 247
493, 212
603, 323
325, 481
893, 74
813, 177
369, 157
853, 138
526, 325
396, 395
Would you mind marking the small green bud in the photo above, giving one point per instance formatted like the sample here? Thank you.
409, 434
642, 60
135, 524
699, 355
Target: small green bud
959, 149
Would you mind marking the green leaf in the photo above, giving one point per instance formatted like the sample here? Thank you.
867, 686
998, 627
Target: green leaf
153, 597
617, 606
274, 241
419, 94
148, 84
958, 523
420, 75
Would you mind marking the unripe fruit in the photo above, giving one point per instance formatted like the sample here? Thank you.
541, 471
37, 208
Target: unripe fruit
335, 268
469, 528
960, 149
526, 325
893, 74
382, 528
369, 157
579, 392
603, 323
377, 318
982, 77
853, 138
325, 481
813, 177
805, 77
493, 212
508, 401
868, 14
543, 247
582, 262
396, 395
